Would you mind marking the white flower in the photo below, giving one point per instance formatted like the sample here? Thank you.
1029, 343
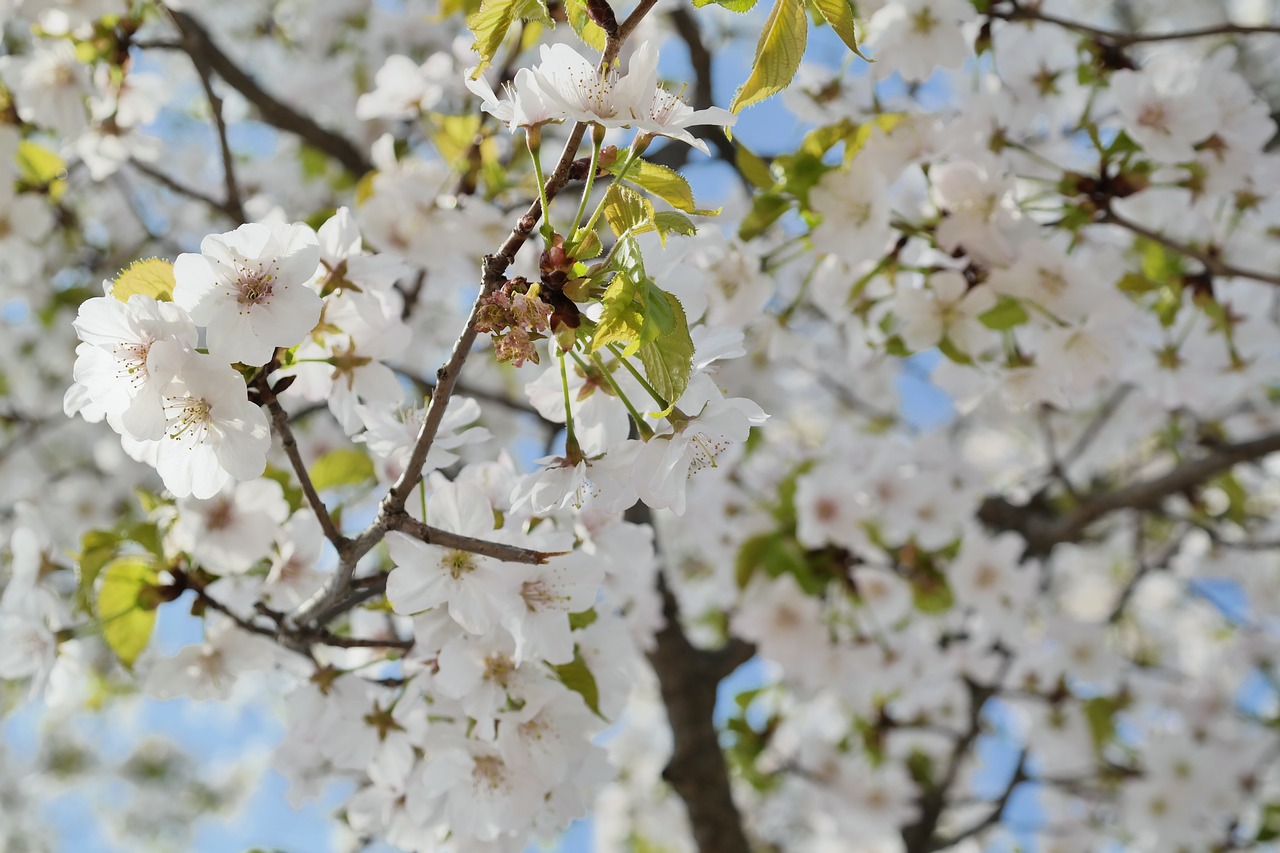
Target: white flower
1166, 107
209, 670
524, 104
474, 587
665, 463
404, 89
577, 91
230, 532
212, 432
913, 37
539, 618
947, 307
25, 219
855, 212
248, 288
49, 86
113, 362
667, 114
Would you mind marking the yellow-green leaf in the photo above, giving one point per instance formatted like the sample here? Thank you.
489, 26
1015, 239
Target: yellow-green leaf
342, 467
666, 184
623, 315
125, 609
97, 547
839, 14
626, 210
885, 122
454, 135
668, 360
738, 6
494, 18
587, 29
778, 54
578, 677
41, 167
152, 277
752, 167
673, 222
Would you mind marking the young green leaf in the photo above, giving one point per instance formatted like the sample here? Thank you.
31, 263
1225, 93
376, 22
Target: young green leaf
778, 54
578, 677
666, 184
341, 467
626, 210
494, 18
127, 616
839, 14
668, 357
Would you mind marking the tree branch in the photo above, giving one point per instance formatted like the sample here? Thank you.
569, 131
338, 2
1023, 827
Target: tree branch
188, 192
688, 678
1116, 38
280, 423
197, 41
1043, 530
1212, 263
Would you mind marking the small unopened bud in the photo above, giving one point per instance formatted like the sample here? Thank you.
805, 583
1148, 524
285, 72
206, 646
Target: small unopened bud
601, 14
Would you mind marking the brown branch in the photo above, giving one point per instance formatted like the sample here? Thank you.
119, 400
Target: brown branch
444, 539
197, 41
233, 205
183, 190
1212, 263
1043, 529
997, 808
688, 678
1116, 38
280, 423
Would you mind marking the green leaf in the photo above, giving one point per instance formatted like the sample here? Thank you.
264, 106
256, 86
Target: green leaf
342, 467
666, 184
885, 122
494, 18
42, 168
778, 54
668, 359
1100, 713
127, 613
590, 33
626, 210
930, 591
766, 208
578, 678
673, 222
1006, 314
839, 14
578, 621
97, 547
623, 315
752, 167
739, 6
152, 277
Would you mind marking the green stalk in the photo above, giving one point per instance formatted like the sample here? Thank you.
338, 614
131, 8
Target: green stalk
534, 150
646, 431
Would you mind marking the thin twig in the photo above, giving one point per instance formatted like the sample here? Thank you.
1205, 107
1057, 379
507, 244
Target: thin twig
234, 206
457, 542
1212, 263
280, 423
272, 110
184, 190
1116, 38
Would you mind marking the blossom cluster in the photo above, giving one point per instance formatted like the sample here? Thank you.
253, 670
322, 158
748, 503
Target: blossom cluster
1001, 553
